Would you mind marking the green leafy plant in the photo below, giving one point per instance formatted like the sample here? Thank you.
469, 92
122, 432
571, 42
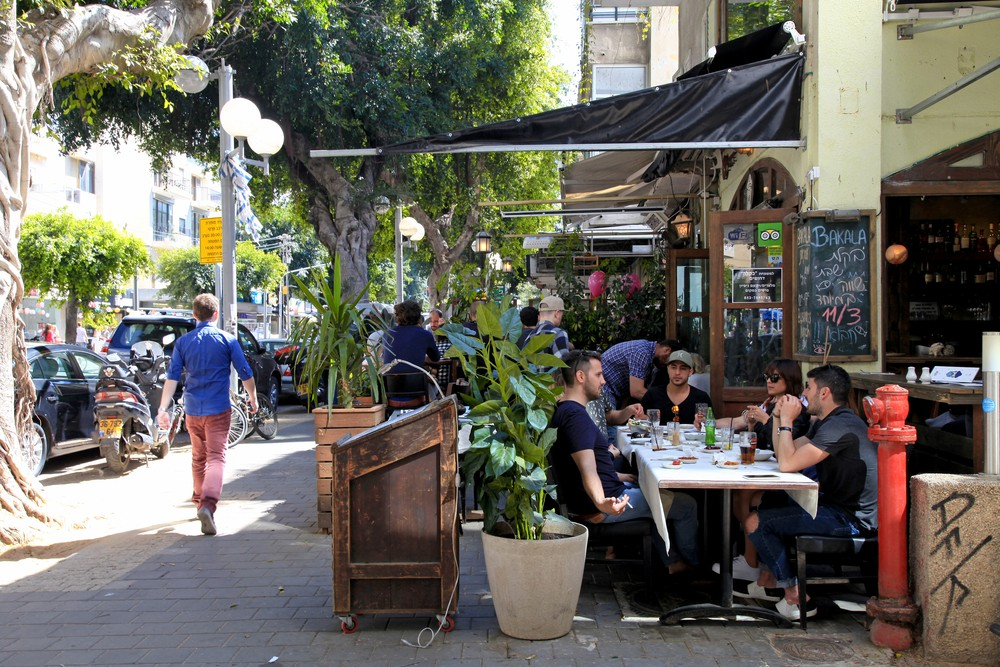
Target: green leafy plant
332, 343
511, 403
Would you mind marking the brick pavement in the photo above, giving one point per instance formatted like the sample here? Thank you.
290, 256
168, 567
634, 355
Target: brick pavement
131, 581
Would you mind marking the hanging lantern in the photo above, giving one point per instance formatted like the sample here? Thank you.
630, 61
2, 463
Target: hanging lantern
896, 253
596, 283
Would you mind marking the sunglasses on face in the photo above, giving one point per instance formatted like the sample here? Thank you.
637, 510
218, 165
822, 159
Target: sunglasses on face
771, 377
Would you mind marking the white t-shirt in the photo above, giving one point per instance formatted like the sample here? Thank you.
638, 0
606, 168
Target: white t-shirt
81, 334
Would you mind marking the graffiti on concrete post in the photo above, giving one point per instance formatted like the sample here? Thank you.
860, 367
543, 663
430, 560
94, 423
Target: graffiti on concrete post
950, 510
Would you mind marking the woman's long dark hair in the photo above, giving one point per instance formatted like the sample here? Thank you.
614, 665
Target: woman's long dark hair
790, 370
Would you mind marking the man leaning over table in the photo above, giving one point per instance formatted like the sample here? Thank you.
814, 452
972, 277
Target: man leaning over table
846, 464
591, 488
629, 366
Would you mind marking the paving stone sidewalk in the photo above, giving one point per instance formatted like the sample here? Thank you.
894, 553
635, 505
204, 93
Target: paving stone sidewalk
130, 580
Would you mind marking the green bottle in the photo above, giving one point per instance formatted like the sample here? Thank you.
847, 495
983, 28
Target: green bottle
710, 429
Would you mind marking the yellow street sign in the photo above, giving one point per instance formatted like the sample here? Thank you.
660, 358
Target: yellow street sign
211, 241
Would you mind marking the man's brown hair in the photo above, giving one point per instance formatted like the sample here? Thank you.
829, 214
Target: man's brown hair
204, 306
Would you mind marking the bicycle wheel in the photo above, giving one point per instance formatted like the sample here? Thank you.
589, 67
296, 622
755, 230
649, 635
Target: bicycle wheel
266, 419
237, 426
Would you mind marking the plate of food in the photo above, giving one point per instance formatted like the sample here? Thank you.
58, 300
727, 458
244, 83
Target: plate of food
730, 464
694, 436
713, 448
687, 459
672, 465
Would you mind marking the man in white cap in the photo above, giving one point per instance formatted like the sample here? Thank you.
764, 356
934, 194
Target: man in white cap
550, 314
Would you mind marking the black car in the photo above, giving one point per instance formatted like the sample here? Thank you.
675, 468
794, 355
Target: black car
64, 377
136, 328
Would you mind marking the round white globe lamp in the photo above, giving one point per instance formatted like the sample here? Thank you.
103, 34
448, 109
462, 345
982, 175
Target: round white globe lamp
266, 138
239, 117
410, 228
193, 78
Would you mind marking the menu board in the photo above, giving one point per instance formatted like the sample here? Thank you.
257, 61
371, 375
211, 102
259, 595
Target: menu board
834, 274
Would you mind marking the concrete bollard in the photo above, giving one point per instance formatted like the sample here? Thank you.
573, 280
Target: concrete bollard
955, 562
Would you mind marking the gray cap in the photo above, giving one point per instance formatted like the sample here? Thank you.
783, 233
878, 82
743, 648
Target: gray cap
681, 356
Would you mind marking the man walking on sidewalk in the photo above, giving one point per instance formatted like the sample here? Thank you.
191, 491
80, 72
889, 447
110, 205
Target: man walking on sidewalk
204, 355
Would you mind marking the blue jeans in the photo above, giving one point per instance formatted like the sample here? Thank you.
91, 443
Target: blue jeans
774, 526
683, 514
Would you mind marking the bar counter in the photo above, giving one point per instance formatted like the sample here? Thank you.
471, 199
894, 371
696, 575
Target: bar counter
935, 395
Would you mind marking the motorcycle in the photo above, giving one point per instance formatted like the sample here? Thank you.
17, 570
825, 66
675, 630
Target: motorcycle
125, 403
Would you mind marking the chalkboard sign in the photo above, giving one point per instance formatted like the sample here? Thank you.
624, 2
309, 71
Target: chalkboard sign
834, 274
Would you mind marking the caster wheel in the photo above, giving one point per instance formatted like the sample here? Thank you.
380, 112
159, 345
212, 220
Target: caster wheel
448, 624
349, 626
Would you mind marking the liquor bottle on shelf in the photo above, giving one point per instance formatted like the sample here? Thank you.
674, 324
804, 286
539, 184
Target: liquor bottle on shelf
991, 240
965, 238
956, 240
991, 271
922, 237
973, 238
928, 274
982, 245
980, 273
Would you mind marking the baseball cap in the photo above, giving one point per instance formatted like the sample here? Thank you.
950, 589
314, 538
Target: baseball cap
551, 303
683, 357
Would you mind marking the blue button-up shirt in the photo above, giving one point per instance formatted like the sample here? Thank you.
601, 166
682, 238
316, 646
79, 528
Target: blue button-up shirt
205, 355
632, 358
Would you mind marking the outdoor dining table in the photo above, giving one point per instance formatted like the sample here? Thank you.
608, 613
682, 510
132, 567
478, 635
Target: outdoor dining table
656, 470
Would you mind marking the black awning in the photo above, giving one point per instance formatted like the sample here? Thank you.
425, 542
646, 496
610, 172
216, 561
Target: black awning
753, 47
752, 106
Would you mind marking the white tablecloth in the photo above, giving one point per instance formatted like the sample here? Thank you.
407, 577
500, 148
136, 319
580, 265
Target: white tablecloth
657, 472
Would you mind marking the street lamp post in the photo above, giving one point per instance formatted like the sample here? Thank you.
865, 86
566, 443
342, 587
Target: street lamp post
404, 227
239, 120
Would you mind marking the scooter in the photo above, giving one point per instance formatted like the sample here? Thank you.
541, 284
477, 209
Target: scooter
126, 400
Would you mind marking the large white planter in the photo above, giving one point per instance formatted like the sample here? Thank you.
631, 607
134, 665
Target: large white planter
536, 583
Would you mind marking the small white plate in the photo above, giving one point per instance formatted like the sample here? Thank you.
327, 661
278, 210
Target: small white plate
762, 455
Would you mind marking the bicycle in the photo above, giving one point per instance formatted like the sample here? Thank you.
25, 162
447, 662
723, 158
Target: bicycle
264, 422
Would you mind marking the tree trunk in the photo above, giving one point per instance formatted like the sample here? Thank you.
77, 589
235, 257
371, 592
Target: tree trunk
445, 256
72, 312
53, 44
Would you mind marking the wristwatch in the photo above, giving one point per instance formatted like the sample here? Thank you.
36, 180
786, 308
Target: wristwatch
784, 428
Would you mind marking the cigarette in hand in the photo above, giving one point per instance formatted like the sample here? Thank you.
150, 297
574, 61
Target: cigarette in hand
627, 502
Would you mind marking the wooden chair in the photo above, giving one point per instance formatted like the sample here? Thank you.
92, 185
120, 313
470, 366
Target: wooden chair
405, 391
445, 372
860, 551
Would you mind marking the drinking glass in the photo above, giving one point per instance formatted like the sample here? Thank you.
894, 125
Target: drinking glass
654, 416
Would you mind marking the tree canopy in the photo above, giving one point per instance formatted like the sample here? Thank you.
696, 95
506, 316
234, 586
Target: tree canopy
78, 260
185, 277
340, 75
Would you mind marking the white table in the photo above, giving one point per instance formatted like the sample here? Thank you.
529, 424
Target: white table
655, 472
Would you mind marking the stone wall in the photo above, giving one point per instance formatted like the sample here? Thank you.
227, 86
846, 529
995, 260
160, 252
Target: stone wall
955, 560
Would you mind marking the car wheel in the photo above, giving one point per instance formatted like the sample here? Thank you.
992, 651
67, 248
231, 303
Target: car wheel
274, 389
35, 449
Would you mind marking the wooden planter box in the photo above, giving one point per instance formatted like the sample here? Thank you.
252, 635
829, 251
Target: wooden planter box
331, 426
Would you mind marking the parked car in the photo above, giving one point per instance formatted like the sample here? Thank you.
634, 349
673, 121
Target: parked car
135, 328
275, 346
64, 377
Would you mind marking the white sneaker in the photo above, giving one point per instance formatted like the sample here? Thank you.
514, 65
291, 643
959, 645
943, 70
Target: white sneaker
741, 569
792, 611
751, 590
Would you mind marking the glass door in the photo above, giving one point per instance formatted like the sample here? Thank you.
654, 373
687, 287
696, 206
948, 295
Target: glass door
751, 269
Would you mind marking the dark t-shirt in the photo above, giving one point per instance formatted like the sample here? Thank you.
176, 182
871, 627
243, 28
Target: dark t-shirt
410, 343
577, 433
765, 432
657, 397
848, 477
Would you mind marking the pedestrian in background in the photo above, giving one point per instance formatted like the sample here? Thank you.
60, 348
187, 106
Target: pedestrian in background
205, 355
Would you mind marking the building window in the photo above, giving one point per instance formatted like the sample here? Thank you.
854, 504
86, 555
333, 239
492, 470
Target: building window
163, 214
617, 79
746, 16
80, 174
182, 226
616, 14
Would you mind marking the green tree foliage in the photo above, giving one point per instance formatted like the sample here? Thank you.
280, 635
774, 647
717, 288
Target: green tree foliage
78, 260
185, 277
622, 312
342, 76
745, 17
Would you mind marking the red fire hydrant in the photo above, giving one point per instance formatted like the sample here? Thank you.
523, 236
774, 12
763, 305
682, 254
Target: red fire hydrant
893, 609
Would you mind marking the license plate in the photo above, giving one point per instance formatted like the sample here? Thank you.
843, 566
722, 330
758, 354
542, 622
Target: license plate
110, 428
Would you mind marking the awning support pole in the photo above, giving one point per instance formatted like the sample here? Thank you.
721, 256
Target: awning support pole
905, 116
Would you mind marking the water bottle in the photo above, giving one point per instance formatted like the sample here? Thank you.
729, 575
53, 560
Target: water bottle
709, 429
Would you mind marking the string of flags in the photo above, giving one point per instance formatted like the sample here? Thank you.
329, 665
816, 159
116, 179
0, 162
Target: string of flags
233, 169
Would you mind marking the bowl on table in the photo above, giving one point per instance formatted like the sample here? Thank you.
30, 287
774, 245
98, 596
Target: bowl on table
762, 455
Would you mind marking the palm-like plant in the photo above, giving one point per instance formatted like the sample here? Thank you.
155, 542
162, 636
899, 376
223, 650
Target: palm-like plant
332, 344
511, 403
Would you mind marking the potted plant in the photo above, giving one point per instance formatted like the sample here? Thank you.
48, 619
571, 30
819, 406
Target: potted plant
336, 364
534, 558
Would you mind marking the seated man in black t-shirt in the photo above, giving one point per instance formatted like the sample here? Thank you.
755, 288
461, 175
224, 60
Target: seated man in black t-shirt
846, 465
677, 392
589, 485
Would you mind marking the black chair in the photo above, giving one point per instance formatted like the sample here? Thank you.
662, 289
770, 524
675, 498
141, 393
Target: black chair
600, 536
406, 390
837, 552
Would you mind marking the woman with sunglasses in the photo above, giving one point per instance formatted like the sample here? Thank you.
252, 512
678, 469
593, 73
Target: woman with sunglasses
782, 376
